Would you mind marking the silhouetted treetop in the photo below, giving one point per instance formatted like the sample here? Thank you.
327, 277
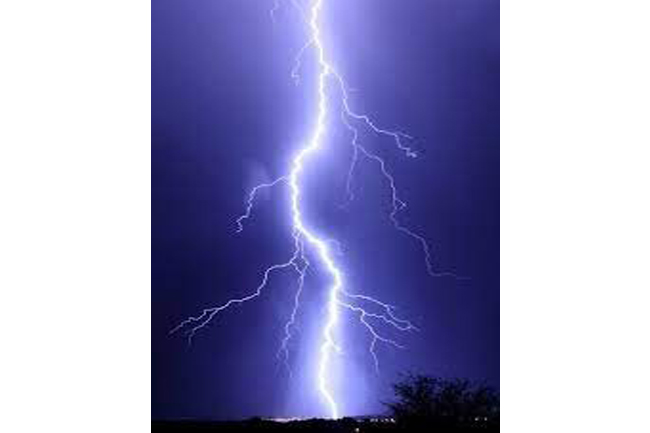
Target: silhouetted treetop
427, 401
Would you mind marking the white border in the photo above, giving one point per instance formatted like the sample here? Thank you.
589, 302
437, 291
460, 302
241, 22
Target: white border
75, 216
575, 216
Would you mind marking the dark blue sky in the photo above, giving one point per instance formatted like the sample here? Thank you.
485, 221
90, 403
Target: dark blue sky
225, 115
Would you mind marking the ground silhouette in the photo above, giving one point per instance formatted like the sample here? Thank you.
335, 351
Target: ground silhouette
421, 404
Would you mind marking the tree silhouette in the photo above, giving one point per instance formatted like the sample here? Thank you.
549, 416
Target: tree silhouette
450, 403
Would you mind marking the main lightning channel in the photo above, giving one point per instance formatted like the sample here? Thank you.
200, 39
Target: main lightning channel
320, 245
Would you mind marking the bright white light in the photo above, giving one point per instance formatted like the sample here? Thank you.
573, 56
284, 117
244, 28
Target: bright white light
306, 240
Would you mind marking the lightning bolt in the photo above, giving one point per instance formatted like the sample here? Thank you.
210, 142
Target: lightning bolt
307, 243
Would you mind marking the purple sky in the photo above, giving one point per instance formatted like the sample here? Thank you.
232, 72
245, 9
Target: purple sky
227, 115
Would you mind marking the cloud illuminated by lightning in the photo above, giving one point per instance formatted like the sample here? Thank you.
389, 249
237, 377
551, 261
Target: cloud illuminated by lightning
309, 243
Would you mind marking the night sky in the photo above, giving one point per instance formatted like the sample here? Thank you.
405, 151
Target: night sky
226, 116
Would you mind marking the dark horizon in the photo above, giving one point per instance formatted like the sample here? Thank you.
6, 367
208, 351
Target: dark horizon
226, 115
